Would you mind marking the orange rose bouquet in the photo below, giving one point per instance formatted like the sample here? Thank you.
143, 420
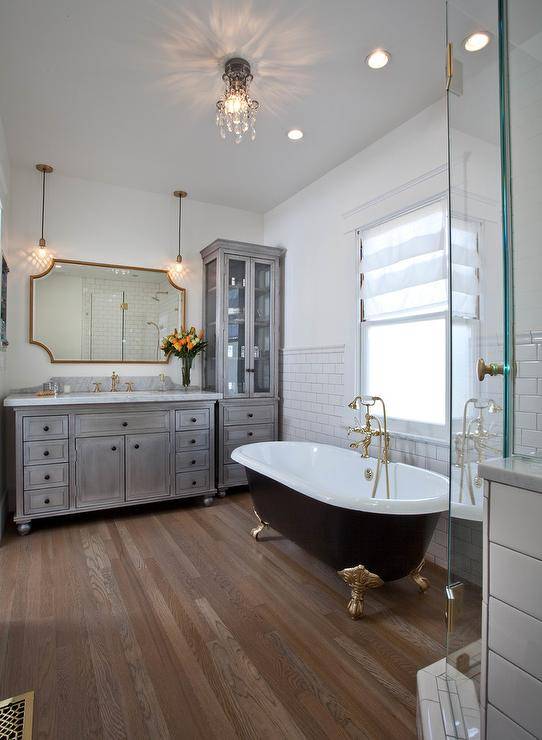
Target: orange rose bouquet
186, 345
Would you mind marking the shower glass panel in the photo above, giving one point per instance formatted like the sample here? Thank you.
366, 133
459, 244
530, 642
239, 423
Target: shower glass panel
522, 81
475, 316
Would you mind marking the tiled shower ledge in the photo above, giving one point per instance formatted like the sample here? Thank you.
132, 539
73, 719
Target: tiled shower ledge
448, 706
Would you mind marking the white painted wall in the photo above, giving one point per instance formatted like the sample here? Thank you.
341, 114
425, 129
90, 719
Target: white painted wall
317, 226
102, 223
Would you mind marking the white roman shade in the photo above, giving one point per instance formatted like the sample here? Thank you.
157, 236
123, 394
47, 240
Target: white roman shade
404, 265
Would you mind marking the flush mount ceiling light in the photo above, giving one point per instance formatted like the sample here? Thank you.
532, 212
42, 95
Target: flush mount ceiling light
176, 269
477, 41
236, 110
378, 58
295, 134
45, 170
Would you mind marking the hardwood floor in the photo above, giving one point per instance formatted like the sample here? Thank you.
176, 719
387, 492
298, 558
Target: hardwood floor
172, 622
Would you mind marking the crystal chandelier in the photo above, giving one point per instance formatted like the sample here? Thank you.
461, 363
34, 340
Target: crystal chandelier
236, 110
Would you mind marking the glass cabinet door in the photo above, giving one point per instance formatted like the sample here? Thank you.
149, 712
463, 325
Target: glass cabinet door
262, 328
235, 327
209, 356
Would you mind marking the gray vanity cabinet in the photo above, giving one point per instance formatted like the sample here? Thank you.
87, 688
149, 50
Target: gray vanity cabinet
241, 318
99, 471
75, 458
147, 466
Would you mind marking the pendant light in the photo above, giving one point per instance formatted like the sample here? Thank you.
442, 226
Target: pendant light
177, 267
45, 170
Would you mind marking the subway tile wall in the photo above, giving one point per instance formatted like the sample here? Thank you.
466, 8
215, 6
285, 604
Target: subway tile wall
312, 408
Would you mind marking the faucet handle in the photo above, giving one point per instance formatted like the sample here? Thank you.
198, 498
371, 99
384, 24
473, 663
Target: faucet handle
97, 387
129, 386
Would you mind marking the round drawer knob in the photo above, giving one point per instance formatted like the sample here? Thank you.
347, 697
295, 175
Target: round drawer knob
194, 483
136, 447
46, 477
47, 501
193, 419
192, 441
45, 428
250, 416
113, 448
193, 462
124, 423
46, 453
250, 434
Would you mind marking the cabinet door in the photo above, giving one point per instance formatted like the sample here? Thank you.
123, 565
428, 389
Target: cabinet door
147, 466
262, 327
99, 470
236, 327
210, 325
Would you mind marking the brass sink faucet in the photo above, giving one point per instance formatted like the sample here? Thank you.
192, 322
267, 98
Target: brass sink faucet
115, 382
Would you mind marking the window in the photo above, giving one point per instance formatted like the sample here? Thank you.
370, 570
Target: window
404, 311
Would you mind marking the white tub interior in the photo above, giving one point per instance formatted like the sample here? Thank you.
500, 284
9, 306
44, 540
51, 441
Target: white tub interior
336, 476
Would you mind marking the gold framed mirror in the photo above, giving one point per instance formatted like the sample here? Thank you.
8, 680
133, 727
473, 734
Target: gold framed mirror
93, 312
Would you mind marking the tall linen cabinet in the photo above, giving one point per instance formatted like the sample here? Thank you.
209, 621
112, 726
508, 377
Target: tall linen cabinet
241, 318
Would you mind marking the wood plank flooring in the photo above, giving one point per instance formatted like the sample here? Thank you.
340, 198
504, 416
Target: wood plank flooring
170, 621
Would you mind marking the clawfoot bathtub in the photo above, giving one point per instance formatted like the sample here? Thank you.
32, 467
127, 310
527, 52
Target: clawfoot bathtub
320, 497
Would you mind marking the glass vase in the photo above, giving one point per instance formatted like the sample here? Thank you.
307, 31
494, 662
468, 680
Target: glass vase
186, 367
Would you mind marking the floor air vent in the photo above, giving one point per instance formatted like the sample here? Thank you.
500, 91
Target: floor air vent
16, 717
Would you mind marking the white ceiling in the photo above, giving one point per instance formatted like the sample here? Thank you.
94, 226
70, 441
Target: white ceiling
123, 91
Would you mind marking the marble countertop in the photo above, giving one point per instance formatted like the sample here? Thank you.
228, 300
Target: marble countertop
73, 399
513, 471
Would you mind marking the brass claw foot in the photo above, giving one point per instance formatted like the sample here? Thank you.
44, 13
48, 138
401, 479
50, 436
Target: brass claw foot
421, 582
261, 526
359, 579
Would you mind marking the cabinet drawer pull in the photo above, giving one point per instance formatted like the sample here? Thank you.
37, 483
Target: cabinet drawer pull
46, 428
194, 483
47, 501
250, 415
250, 434
192, 441
124, 423
193, 419
192, 462
46, 477
46, 453
113, 448
136, 446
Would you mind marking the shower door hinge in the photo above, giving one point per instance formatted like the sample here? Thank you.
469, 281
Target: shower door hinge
449, 64
454, 603
124, 306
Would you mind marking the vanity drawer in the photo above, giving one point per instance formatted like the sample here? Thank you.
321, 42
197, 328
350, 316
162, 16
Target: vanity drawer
40, 453
44, 427
42, 501
234, 475
196, 481
144, 421
247, 414
195, 440
249, 433
45, 476
192, 419
197, 460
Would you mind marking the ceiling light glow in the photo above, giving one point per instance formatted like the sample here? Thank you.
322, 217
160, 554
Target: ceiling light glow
477, 41
295, 134
378, 58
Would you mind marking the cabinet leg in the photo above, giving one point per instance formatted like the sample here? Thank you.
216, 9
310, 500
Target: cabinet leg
208, 500
221, 492
24, 528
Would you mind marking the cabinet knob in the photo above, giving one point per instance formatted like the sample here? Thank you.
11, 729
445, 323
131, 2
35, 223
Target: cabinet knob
47, 501
194, 483
250, 434
124, 423
46, 477
192, 462
136, 446
114, 448
45, 453
192, 441
193, 419
250, 415
46, 428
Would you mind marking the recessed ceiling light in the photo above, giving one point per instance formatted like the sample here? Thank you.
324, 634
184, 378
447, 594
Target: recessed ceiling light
378, 58
295, 134
477, 41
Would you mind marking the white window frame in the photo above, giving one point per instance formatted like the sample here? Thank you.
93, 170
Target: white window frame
424, 430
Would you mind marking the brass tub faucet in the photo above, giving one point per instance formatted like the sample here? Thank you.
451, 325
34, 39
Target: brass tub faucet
369, 432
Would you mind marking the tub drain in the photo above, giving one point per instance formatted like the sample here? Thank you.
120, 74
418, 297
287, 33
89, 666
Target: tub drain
368, 474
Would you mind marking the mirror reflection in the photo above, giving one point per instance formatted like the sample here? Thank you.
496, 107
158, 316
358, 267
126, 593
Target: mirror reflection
83, 312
